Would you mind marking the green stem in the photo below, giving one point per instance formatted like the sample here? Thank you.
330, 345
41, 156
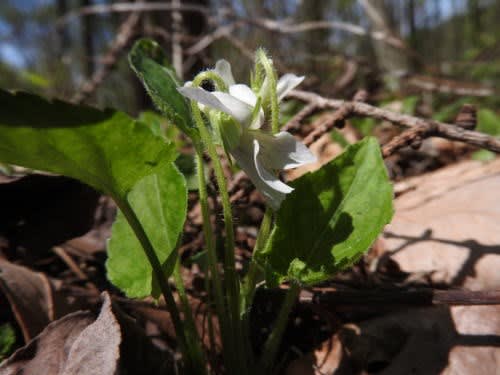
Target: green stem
253, 270
232, 284
231, 279
193, 338
220, 307
271, 76
274, 340
166, 291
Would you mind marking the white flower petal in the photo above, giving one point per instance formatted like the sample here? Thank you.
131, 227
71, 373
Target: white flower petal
257, 123
287, 83
223, 68
269, 178
243, 93
283, 151
238, 109
204, 97
247, 157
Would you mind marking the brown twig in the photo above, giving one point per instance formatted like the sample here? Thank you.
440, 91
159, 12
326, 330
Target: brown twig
295, 121
289, 28
335, 119
400, 298
128, 7
120, 42
411, 137
203, 43
434, 128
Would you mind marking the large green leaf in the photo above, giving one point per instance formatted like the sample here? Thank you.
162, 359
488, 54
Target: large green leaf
111, 152
105, 149
160, 201
331, 218
151, 65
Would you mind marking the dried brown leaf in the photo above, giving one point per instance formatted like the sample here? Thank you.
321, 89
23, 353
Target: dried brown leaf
30, 295
449, 224
75, 344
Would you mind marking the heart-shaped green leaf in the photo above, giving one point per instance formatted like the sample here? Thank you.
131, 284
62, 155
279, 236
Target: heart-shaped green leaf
111, 152
105, 149
150, 64
331, 218
160, 202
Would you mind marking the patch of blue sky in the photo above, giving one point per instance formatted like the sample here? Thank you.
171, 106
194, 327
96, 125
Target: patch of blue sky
29, 5
12, 55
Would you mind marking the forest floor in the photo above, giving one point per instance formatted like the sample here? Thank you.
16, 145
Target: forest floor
419, 302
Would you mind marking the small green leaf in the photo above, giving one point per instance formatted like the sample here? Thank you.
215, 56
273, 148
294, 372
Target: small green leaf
488, 122
7, 340
151, 65
483, 155
331, 218
410, 104
105, 149
160, 202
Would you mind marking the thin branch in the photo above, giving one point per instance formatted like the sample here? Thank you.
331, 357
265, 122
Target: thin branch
207, 40
448, 86
411, 137
400, 298
176, 39
130, 7
435, 128
294, 123
120, 42
288, 28
335, 119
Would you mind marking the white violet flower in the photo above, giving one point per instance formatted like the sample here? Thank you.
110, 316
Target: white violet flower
258, 153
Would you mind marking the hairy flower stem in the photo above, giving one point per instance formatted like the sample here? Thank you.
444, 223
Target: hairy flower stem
192, 337
222, 313
231, 279
274, 340
266, 63
135, 224
253, 270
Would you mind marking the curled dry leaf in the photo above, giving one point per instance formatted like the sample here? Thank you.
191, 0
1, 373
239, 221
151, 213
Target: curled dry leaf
30, 296
35, 299
75, 344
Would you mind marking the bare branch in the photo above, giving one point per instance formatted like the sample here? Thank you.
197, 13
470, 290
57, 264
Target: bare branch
130, 7
398, 298
120, 42
208, 39
411, 137
294, 123
288, 28
176, 39
435, 128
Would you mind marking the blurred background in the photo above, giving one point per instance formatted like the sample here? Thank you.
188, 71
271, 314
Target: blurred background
429, 55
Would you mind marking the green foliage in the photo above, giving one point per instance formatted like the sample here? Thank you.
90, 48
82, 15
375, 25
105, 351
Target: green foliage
364, 125
105, 149
150, 64
410, 104
483, 155
7, 340
109, 151
449, 111
488, 122
160, 202
331, 218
